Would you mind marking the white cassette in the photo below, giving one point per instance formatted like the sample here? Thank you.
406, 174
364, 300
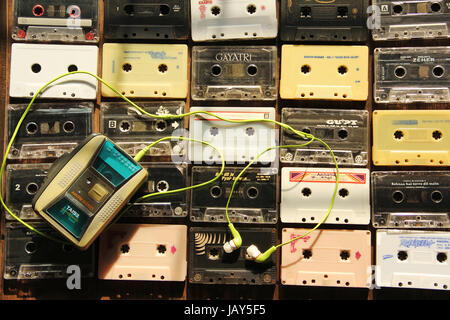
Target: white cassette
413, 259
233, 19
143, 252
307, 192
33, 65
238, 142
331, 258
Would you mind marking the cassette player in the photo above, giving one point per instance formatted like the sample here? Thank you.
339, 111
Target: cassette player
87, 188
56, 20
339, 20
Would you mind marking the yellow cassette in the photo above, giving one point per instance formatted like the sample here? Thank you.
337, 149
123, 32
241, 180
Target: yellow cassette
324, 72
411, 137
146, 70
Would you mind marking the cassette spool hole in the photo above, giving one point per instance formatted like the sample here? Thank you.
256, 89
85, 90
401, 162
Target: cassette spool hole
397, 9
129, 9
345, 254
305, 69
342, 70
436, 196
162, 68
306, 192
398, 134
343, 134
72, 68
125, 126
125, 248
398, 196
216, 70
32, 188
437, 135
213, 254
31, 128
251, 8
435, 7
162, 186
438, 71
68, 126
305, 12
161, 249
441, 257
250, 131
164, 10
215, 191
215, 10
30, 247
307, 254
402, 255
343, 193
127, 67
36, 68
252, 70
400, 72
342, 12
161, 125
252, 192
38, 10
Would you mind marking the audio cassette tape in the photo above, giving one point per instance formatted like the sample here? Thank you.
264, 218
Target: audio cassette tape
143, 252
132, 130
410, 75
338, 20
254, 199
324, 72
30, 256
412, 259
161, 177
49, 61
307, 192
409, 19
56, 20
233, 19
242, 73
146, 70
238, 142
345, 131
48, 130
411, 199
209, 264
146, 19
411, 137
327, 258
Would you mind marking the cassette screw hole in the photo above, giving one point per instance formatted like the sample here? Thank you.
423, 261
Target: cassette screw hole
342, 70
345, 254
216, 192
306, 192
68, 126
402, 255
216, 70
125, 248
36, 68
72, 68
251, 8
400, 72
162, 68
127, 67
164, 10
438, 71
343, 134
30, 247
435, 7
436, 196
161, 249
437, 135
441, 257
398, 196
343, 193
32, 188
215, 10
397, 9
252, 70
398, 134
252, 192
31, 128
306, 69
307, 254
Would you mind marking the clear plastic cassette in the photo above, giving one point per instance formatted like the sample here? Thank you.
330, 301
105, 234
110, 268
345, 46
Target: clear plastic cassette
242, 73
345, 131
132, 130
49, 130
209, 264
410, 75
56, 20
254, 198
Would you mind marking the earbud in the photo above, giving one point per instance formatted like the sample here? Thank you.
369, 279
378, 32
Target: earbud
253, 253
234, 243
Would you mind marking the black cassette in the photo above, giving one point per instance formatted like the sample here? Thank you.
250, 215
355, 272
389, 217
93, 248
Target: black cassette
209, 264
61, 20
338, 20
254, 198
411, 199
146, 19
31, 256
49, 130
345, 131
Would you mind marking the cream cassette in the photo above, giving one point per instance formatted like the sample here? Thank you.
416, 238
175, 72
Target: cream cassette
254, 198
327, 258
34, 65
345, 131
324, 72
411, 199
56, 20
233, 19
238, 142
143, 252
307, 192
411, 137
29, 256
411, 19
410, 75
48, 130
412, 259
210, 264
133, 130
146, 70
242, 73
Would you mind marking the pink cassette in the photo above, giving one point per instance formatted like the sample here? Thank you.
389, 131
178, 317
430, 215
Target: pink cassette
143, 252
330, 258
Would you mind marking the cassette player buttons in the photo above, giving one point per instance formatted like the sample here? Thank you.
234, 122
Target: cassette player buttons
98, 192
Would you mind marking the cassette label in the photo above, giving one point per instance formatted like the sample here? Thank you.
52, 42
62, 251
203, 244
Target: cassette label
254, 198
146, 70
146, 19
49, 130
408, 19
31, 256
339, 20
233, 19
50, 61
329, 258
143, 252
345, 131
243, 73
418, 199
412, 259
306, 193
411, 137
55, 20
409, 75
324, 72
209, 264
238, 143
132, 130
